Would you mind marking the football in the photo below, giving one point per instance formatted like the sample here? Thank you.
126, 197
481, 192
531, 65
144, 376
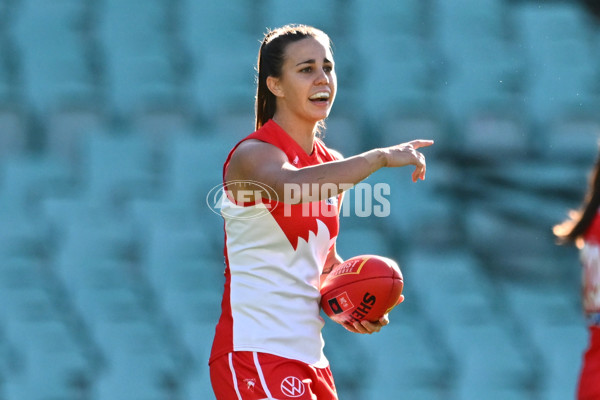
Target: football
362, 287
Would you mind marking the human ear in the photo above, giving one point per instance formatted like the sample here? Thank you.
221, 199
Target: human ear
274, 86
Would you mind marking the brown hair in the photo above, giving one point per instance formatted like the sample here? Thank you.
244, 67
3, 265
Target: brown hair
573, 229
270, 60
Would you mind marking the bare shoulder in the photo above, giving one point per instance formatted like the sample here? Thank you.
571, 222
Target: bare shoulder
252, 150
252, 155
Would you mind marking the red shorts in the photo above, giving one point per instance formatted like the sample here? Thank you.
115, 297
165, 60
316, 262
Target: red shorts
246, 375
589, 380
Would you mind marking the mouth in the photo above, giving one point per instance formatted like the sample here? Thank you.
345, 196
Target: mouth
320, 97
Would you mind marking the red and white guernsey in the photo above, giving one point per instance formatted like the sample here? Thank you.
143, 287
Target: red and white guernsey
273, 265
590, 257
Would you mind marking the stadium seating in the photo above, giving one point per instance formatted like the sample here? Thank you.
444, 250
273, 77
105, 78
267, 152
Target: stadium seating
116, 117
560, 69
57, 62
13, 129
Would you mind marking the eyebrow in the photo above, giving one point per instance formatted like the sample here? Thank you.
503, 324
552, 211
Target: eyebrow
312, 61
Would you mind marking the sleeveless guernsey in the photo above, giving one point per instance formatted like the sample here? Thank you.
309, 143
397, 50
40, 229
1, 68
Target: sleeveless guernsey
273, 263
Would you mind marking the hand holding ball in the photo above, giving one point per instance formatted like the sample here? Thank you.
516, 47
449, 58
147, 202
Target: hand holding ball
362, 288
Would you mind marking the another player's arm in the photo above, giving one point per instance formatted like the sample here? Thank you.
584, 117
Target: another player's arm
267, 164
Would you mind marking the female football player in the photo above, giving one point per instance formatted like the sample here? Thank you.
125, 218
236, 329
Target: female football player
268, 341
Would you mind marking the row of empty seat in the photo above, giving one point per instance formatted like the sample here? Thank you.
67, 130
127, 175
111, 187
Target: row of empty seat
116, 117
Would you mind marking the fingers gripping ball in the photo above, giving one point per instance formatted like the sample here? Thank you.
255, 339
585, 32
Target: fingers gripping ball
362, 287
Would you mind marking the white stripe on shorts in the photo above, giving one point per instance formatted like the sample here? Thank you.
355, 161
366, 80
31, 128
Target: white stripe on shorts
235, 385
260, 374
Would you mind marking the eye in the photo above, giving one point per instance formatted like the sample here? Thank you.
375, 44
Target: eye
328, 68
306, 69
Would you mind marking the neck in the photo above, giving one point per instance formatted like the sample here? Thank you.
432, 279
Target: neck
301, 131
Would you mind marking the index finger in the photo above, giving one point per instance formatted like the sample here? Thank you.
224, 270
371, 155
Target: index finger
420, 143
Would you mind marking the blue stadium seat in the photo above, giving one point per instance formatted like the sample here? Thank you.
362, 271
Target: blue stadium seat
404, 356
194, 166
214, 32
55, 52
539, 21
140, 362
138, 80
483, 76
26, 297
231, 20
542, 305
159, 123
22, 237
220, 90
494, 137
325, 16
148, 215
415, 216
475, 346
481, 65
396, 74
451, 287
26, 179
54, 364
391, 18
38, 322
514, 246
467, 19
140, 56
420, 124
177, 257
201, 305
118, 166
561, 68
7, 10
198, 333
198, 385
232, 127
93, 237
561, 347
345, 134
573, 140
348, 366
67, 127
9, 70
354, 241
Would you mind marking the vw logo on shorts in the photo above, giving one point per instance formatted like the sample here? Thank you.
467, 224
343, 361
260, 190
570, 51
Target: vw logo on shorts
292, 387
247, 191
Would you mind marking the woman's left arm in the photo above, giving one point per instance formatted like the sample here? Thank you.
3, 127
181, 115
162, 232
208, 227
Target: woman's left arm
333, 260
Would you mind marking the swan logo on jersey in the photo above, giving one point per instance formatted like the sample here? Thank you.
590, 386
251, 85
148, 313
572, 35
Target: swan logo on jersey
250, 384
292, 387
247, 193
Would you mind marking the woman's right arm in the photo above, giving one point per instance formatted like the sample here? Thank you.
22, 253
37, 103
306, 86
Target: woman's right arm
262, 162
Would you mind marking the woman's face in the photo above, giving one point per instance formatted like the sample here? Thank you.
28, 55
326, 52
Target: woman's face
307, 85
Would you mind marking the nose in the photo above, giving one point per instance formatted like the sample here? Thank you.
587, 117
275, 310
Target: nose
322, 78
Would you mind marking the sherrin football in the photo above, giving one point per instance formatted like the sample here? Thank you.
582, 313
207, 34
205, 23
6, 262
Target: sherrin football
362, 287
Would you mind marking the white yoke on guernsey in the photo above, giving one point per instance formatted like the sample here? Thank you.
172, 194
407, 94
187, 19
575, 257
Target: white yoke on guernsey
273, 266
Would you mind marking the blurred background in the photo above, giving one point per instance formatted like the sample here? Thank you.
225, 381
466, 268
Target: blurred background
116, 117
